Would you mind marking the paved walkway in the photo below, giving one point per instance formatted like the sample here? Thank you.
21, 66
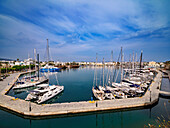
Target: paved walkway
7, 83
22, 106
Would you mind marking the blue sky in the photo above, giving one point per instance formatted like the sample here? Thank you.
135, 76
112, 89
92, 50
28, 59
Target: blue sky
78, 29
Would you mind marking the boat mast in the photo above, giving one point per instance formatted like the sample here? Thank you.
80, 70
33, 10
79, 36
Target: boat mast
48, 60
96, 69
29, 61
47, 52
130, 61
38, 66
121, 65
35, 59
103, 72
141, 60
112, 56
123, 61
133, 63
111, 77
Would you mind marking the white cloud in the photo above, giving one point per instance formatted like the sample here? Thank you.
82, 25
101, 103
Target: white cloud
76, 26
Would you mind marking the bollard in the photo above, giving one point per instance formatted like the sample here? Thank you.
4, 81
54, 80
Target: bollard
29, 106
96, 104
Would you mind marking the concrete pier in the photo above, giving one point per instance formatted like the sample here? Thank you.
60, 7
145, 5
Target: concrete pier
164, 93
34, 110
166, 73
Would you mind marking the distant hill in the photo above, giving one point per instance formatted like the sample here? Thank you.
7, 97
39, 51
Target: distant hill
6, 59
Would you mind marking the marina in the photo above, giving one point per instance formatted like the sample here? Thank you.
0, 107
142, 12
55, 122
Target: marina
22, 107
84, 64
48, 93
104, 112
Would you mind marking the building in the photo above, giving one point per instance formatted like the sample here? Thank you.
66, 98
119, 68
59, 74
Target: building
153, 64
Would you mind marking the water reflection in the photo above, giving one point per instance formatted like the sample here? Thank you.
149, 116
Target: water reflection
30, 123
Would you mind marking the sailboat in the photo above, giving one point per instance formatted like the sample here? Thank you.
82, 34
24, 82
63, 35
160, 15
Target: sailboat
108, 93
46, 91
49, 67
98, 94
29, 81
120, 86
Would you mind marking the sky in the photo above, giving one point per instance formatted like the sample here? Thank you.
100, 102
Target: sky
78, 29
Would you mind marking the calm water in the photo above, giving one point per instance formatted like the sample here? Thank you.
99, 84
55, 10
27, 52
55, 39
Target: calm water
78, 84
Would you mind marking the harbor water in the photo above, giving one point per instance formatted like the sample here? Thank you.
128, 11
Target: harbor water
78, 84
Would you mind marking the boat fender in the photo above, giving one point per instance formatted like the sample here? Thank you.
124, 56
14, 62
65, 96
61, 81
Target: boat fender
91, 101
15, 99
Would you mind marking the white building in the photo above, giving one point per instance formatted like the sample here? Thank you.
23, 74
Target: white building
153, 64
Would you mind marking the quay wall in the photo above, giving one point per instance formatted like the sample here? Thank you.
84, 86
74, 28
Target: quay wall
23, 107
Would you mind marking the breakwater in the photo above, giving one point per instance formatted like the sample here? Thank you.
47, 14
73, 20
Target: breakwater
31, 109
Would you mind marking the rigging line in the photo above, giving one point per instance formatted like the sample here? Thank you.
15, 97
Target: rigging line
94, 79
111, 69
116, 75
100, 79
107, 77
116, 65
96, 69
111, 75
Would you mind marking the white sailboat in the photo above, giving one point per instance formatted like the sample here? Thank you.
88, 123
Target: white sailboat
46, 91
108, 93
29, 81
98, 94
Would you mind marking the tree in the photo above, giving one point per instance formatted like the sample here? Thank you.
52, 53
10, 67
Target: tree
6, 67
0, 69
